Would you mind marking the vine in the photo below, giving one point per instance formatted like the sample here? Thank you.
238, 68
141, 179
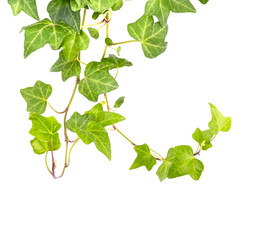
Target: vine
67, 31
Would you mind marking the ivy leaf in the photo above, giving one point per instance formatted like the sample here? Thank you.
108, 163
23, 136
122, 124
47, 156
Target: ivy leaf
60, 10
204, 1
108, 41
152, 36
219, 122
117, 5
36, 97
78, 121
68, 68
93, 33
104, 118
74, 43
118, 50
101, 5
95, 15
95, 132
203, 138
28, 6
144, 158
77, 5
97, 81
163, 170
40, 147
184, 163
181, 6
115, 62
119, 102
43, 128
39, 34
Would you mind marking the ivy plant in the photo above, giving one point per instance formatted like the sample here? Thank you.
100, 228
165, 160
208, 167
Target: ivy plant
66, 31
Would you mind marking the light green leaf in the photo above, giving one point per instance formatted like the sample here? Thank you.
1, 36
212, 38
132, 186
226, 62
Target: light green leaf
36, 97
78, 121
68, 68
94, 132
163, 170
181, 6
28, 6
117, 5
76, 5
203, 138
93, 32
184, 163
97, 81
118, 50
101, 5
60, 10
151, 35
74, 43
219, 122
115, 62
104, 118
40, 147
119, 102
43, 128
144, 158
39, 34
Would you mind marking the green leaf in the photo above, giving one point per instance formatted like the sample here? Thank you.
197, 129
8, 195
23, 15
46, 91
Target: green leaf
101, 5
144, 158
76, 5
151, 35
117, 5
204, 1
60, 10
203, 138
104, 118
94, 132
93, 33
183, 163
43, 128
108, 41
74, 43
219, 122
28, 6
119, 102
97, 81
118, 50
40, 147
68, 68
95, 15
78, 121
39, 34
36, 97
181, 6
163, 170
115, 62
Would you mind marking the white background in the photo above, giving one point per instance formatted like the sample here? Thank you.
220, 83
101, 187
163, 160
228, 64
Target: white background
217, 56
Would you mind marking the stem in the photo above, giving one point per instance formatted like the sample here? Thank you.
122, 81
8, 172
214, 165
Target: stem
84, 19
125, 137
69, 156
54, 109
119, 43
161, 158
46, 163
117, 73
80, 61
105, 51
53, 161
91, 25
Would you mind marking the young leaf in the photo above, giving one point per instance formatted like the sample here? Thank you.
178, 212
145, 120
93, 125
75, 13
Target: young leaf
104, 118
36, 97
95, 15
97, 81
74, 43
40, 147
152, 36
181, 6
28, 6
219, 122
94, 132
185, 163
60, 10
144, 158
118, 50
117, 5
203, 138
43, 128
101, 5
78, 121
43, 32
68, 68
204, 1
119, 102
115, 62
93, 33
77, 5
108, 41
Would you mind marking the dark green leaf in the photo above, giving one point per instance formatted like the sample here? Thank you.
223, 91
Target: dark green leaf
36, 97
115, 62
95, 15
203, 138
144, 158
93, 32
28, 6
60, 10
117, 5
119, 102
68, 68
108, 41
204, 1
78, 121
